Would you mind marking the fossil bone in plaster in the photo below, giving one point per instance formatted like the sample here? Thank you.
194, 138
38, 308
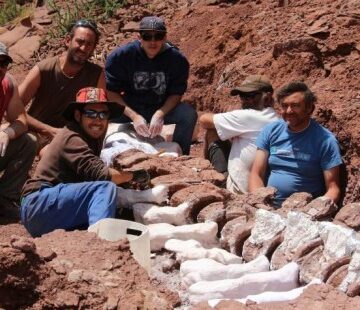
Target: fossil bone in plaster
128, 197
205, 269
282, 280
205, 233
151, 214
191, 250
270, 296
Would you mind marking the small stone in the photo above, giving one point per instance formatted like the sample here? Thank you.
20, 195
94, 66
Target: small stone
76, 275
23, 244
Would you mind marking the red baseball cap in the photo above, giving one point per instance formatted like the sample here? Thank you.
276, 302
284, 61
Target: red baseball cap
92, 95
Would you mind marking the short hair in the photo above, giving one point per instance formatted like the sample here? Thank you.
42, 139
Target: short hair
85, 24
294, 87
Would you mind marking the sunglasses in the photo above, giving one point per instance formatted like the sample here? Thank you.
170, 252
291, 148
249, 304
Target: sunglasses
157, 36
249, 95
87, 24
4, 63
95, 114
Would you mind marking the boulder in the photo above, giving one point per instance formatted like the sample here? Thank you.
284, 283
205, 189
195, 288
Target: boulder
228, 233
296, 202
321, 208
213, 212
349, 216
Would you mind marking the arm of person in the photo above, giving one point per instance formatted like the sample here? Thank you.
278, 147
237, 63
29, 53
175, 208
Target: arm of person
206, 121
332, 183
258, 170
15, 115
27, 91
114, 96
139, 122
101, 83
157, 120
119, 177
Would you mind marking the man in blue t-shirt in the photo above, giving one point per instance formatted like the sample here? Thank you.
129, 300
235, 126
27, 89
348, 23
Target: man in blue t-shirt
296, 154
149, 76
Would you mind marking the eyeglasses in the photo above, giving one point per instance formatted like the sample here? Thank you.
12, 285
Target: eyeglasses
87, 24
157, 36
4, 63
95, 114
249, 95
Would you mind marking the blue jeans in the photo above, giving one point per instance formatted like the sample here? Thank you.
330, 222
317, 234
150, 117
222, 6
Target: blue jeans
68, 206
183, 116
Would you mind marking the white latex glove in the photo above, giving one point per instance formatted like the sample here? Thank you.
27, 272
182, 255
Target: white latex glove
4, 142
156, 125
141, 126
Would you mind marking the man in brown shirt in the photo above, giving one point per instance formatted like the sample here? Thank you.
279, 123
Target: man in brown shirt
71, 186
54, 82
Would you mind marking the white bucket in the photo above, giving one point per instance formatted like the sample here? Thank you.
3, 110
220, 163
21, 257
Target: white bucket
138, 235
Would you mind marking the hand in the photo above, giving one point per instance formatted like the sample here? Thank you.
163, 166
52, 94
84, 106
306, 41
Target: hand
156, 124
141, 177
324, 198
4, 142
141, 126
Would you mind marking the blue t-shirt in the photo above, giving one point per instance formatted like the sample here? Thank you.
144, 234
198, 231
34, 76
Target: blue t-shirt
146, 82
297, 160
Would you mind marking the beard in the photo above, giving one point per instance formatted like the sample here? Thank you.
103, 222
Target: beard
74, 59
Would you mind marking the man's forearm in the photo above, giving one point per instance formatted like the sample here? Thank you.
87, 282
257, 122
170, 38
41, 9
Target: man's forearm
36, 125
170, 103
333, 193
119, 177
113, 96
255, 182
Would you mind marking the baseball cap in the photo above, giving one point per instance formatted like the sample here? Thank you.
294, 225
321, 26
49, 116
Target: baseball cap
152, 23
253, 83
92, 95
4, 51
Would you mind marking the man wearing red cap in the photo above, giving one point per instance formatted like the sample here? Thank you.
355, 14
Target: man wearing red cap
149, 77
17, 149
230, 137
72, 187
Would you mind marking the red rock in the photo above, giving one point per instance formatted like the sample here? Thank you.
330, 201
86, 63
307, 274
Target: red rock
349, 216
320, 208
213, 212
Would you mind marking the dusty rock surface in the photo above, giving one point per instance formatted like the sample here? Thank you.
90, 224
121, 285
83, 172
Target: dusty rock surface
349, 216
314, 297
317, 42
75, 270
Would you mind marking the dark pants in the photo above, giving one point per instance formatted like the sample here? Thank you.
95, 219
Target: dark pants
15, 165
183, 116
218, 154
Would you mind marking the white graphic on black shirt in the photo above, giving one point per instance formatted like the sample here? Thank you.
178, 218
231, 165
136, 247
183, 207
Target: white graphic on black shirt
150, 80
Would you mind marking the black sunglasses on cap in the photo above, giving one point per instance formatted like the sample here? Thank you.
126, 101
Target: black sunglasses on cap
95, 114
4, 63
157, 36
250, 95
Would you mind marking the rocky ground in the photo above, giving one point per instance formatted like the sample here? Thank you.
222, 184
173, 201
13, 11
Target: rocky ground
314, 41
